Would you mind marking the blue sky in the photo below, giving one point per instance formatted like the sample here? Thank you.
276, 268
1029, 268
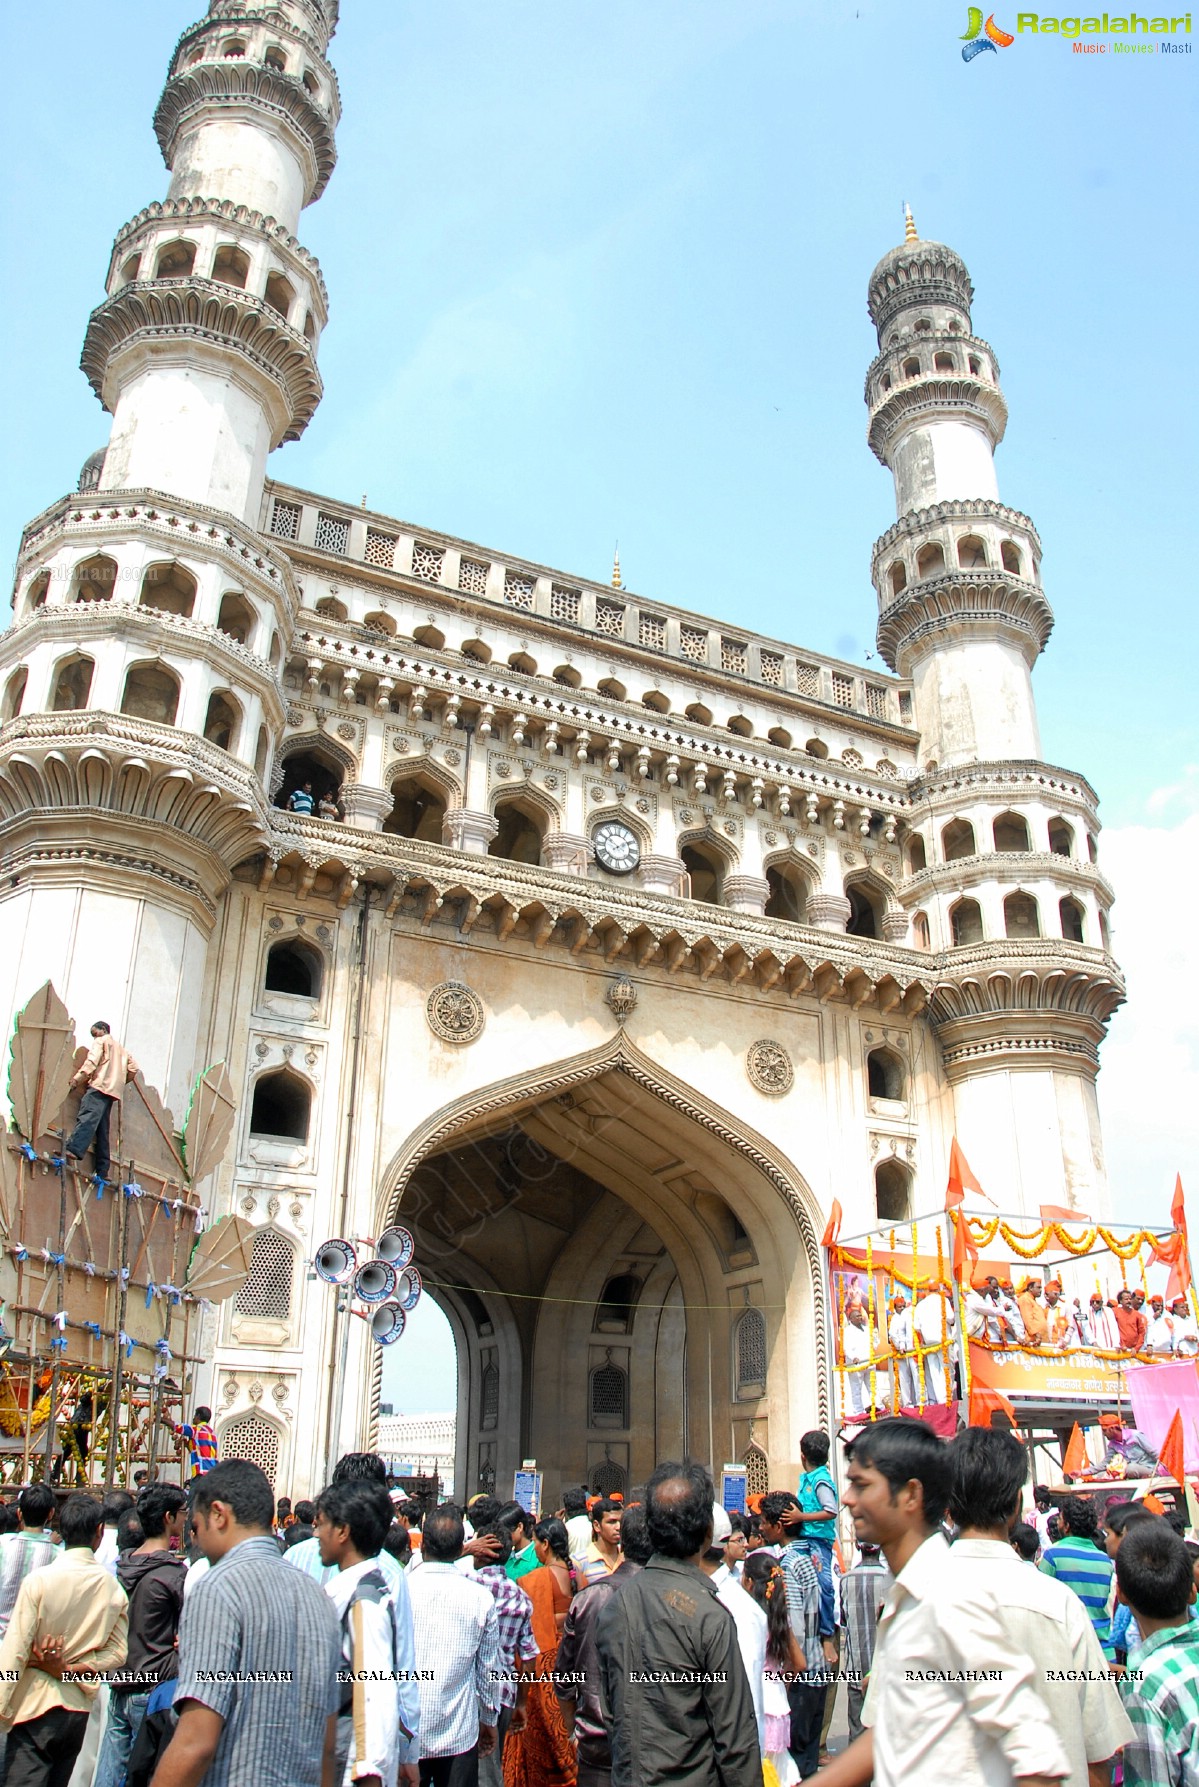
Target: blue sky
598, 271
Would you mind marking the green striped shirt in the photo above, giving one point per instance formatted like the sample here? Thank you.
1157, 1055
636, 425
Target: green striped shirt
1088, 1571
1163, 1707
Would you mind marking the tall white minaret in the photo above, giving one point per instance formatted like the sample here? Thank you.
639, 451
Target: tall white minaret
961, 610
205, 349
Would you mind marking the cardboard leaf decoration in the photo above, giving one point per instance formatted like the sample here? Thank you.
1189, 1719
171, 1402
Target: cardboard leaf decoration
42, 1060
8, 1182
209, 1121
220, 1261
148, 1133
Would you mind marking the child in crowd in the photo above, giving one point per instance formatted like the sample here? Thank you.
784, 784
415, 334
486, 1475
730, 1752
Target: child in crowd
763, 1579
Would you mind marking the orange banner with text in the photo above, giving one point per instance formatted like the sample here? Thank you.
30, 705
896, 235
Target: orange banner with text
1048, 1376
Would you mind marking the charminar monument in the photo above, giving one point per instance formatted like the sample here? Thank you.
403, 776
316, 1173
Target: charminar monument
626, 939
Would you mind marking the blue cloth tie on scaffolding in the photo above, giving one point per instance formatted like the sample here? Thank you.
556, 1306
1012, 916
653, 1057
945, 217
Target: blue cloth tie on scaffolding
93, 1329
133, 1189
30, 1153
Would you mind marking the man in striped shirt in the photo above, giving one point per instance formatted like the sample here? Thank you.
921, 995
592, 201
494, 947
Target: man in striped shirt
1077, 1561
27, 1550
259, 1652
1154, 1577
457, 1636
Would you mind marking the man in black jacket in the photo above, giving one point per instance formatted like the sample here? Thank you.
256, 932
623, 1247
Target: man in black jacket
674, 1685
152, 1577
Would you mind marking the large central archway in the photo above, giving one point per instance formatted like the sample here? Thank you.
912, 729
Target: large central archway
629, 1275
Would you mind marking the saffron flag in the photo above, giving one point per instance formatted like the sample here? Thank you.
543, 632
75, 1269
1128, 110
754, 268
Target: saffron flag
829, 1237
983, 1403
1170, 1460
961, 1179
965, 1250
1179, 1282
1075, 1460
1057, 1213
1154, 1503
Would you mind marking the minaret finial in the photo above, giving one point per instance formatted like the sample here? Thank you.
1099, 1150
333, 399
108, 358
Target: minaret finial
617, 579
909, 224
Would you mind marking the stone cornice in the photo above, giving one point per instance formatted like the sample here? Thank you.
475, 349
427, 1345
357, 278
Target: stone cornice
224, 210
937, 395
1024, 1041
236, 15
192, 309
225, 84
1038, 975
1000, 778
917, 523
976, 603
1011, 868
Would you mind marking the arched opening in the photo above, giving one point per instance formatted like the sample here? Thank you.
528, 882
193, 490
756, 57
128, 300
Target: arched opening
885, 1075
911, 367
95, 579
1105, 935
920, 931
892, 1191
975, 365
618, 1300
741, 726
329, 608
309, 326
930, 560
417, 810
222, 722
275, 655
309, 765
236, 618
1021, 917
310, 83
294, 966
255, 1438
1092, 848
657, 701
39, 589
566, 676
281, 1107
521, 832
749, 1353
14, 694
916, 854
972, 553
477, 650
280, 294
1061, 838
705, 871
898, 576
151, 693
957, 840
966, 923
379, 622
130, 269
944, 363
233, 48
865, 910
1010, 556
72, 685
1071, 915
884, 383
176, 260
778, 735
231, 265
698, 714
610, 688
1010, 832
432, 638
170, 589
817, 748
788, 896
275, 59
608, 1396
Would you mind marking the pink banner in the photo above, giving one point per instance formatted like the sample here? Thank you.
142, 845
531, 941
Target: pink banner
1157, 1391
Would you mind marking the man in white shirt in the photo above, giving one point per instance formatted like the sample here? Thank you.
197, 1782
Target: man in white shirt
933, 1323
1098, 1326
930, 1720
578, 1526
899, 1333
1186, 1332
859, 1346
457, 1637
752, 1626
1159, 1336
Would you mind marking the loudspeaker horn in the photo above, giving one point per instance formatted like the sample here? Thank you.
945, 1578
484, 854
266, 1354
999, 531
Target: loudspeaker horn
375, 1281
387, 1323
396, 1246
410, 1288
335, 1261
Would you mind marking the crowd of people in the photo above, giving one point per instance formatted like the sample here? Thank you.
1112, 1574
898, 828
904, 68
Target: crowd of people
211, 1635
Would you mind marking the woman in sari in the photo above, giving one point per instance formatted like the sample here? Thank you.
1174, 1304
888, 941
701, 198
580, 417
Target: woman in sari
542, 1755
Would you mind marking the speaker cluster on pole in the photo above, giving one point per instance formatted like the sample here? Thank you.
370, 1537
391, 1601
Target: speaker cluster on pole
385, 1281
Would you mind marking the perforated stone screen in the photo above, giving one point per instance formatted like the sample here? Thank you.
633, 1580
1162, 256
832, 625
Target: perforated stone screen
267, 1291
608, 1478
772, 669
254, 1438
518, 590
876, 701
564, 603
757, 1471
490, 1400
693, 643
285, 520
332, 533
751, 1351
472, 576
380, 549
609, 1395
842, 690
609, 619
733, 656
427, 562
652, 632
807, 679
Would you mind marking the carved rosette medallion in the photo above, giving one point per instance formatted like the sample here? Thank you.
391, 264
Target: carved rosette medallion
769, 1068
454, 1013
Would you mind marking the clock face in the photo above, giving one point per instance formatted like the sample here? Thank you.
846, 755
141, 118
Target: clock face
616, 848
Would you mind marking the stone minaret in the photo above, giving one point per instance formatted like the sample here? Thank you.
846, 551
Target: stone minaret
1001, 853
141, 678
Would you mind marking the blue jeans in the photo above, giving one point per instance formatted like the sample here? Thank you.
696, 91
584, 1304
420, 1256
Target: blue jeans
125, 1713
820, 1551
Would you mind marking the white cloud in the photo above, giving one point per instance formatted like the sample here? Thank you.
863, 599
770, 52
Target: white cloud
1149, 1085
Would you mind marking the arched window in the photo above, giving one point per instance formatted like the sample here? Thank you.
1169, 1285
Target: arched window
966, 923
222, 721
865, 911
329, 608
757, 1470
1073, 929
917, 855
1011, 833
892, 1191
885, 1075
477, 650
310, 82
697, 713
255, 1438
898, 574
282, 1106
975, 365
957, 840
567, 676
169, 588
517, 661
1061, 838
1010, 557
14, 694
609, 687
275, 59
95, 579
231, 265
309, 764
72, 685
742, 726
39, 589
522, 829
309, 326
418, 811
176, 261
489, 1398
151, 693
618, 1300
778, 735
236, 617
1105, 936
378, 622
944, 363
972, 553
788, 897
1092, 847
817, 748
1020, 916
608, 1478
655, 699
608, 1396
705, 871
930, 560
130, 269
280, 294
749, 1353
920, 932
911, 368
233, 48
294, 966
267, 1291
